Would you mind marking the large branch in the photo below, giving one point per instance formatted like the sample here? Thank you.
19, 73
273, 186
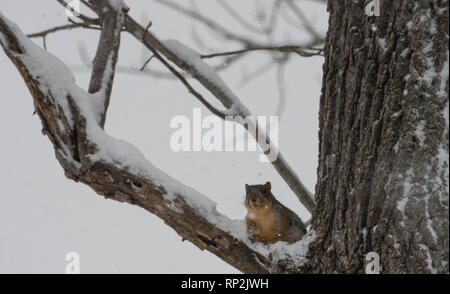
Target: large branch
117, 170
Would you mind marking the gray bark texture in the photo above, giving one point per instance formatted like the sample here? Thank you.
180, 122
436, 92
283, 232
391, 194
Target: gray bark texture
383, 166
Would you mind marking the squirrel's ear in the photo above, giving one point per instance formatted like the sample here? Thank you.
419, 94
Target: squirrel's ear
268, 185
246, 187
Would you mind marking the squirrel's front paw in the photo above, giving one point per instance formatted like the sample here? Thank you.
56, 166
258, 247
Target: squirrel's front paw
255, 237
252, 235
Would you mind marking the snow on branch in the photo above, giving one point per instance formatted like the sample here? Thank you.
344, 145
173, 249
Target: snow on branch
116, 169
111, 15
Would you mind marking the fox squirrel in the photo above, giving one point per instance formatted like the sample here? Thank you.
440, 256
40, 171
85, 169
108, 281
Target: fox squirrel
267, 219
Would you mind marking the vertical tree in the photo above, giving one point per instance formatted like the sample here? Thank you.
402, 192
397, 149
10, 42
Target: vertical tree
382, 181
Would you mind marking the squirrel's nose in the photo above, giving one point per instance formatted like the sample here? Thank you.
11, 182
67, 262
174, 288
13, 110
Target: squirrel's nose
253, 198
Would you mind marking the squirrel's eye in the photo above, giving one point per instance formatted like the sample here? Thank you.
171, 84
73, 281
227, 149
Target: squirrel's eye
263, 191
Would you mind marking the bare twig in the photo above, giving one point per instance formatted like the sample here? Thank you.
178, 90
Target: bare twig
43, 34
302, 17
235, 15
71, 26
146, 62
286, 49
209, 23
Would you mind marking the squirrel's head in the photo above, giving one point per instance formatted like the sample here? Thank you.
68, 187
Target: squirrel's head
258, 196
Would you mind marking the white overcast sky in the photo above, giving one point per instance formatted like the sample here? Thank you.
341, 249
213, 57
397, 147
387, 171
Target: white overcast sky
43, 215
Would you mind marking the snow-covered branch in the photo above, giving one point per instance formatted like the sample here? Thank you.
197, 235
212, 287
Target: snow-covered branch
111, 16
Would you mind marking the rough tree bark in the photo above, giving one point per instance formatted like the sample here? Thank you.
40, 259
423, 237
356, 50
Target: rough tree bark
383, 166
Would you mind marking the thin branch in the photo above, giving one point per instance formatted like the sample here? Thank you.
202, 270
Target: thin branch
209, 23
286, 49
224, 32
153, 73
105, 60
302, 17
236, 16
71, 26
273, 18
146, 62
191, 90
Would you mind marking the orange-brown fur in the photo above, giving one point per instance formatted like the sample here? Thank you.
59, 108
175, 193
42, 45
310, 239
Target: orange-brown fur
268, 220
263, 224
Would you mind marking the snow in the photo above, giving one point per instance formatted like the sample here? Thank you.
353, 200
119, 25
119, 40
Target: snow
401, 203
420, 133
3, 38
282, 250
443, 157
430, 73
382, 43
409, 25
404, 53
433, 29
58, 81
444, 79
428, 259
98, 99
60, 125
118, 5
52, 74
396, 147
429, 221
193, 58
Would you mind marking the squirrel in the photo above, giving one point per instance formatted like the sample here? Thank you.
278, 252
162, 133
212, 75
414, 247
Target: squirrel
267, 219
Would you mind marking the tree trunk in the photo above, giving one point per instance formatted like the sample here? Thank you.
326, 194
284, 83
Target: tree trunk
383, 166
